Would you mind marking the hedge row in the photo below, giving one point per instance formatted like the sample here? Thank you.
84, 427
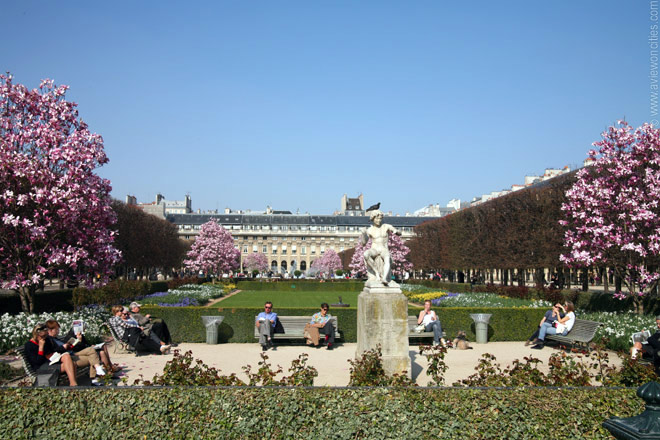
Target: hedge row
185, 324
48, 301
306, 285
304, 413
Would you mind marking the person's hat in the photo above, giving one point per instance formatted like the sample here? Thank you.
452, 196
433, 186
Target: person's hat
134, 304
657, 318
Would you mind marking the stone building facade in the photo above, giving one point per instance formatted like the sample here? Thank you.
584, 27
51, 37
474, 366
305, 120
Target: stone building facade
290, 241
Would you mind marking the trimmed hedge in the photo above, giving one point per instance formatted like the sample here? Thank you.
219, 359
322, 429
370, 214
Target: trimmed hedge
185, 323
48, 301
305, 285
357, 413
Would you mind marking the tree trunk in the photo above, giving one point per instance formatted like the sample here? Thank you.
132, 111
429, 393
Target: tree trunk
617, 283
505, 277
585, 279
603, 276
26, 294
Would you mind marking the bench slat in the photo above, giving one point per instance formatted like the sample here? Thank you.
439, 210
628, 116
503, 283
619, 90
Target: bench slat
294, 327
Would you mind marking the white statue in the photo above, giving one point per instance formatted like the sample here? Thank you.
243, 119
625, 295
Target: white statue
377, 258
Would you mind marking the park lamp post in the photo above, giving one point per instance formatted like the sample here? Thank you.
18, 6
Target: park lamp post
643, 426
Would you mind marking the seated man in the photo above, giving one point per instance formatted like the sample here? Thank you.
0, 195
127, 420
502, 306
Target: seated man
651, 348
129, 331
321, 321
157, 326
82, 358
266, 321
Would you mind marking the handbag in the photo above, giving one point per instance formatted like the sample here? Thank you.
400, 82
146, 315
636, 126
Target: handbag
420, 328
561, 328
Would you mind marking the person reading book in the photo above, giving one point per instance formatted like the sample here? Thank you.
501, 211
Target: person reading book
83, 357
651, 348
40, 348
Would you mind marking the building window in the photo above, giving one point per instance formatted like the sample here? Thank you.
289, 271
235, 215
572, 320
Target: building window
293, 250
245, 249
303, 250
264, 249
322, 249
274, 250
254, 248
283, 249
313, 250
303, 238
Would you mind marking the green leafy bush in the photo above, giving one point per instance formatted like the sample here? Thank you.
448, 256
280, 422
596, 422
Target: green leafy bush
118, 291
305, 413
50, 301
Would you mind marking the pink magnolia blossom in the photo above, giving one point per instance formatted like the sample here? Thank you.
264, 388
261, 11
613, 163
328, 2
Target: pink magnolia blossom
612, 212
213, 251
56, 213
398, 252
328, 263
256, 261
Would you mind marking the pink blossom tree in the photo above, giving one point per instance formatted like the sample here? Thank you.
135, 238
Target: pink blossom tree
213, 251
612, 214
256, 261
56, 214
398, 252
328, 263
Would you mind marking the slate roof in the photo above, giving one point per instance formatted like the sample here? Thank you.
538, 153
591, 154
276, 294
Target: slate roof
274, 219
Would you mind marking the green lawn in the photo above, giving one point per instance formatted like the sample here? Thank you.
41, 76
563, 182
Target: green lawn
287, 298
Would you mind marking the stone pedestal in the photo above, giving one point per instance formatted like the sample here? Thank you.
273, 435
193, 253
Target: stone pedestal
383, 320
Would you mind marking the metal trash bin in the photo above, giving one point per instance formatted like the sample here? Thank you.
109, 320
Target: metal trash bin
212, 323
481, 326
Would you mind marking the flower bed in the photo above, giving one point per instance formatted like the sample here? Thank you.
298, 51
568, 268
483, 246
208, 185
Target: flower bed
16, 330
187, 295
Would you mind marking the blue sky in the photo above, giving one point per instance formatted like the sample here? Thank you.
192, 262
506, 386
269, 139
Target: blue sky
291, 104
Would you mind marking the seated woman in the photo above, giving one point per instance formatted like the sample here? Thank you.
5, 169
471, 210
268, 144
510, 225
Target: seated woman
550, 317
129, 331
40, 348
652, 346
321, 321
84, 354
560, 326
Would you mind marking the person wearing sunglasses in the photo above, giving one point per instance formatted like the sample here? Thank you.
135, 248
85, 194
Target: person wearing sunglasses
39, 350
129, 331
321, 322
266, 321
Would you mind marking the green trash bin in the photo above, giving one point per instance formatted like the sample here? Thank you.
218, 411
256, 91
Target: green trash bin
212, 323
481, 326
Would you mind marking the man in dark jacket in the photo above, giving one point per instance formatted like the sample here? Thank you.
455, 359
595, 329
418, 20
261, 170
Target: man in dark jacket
157, 326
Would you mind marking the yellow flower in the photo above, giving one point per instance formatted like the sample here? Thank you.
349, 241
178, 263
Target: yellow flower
428, 295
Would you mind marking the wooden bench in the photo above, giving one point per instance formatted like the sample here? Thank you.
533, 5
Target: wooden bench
29, 371
412, 334
582, 333
294, 326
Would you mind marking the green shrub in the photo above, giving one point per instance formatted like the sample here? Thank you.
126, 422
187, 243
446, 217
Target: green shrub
304, 413
50, 301
118, 291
